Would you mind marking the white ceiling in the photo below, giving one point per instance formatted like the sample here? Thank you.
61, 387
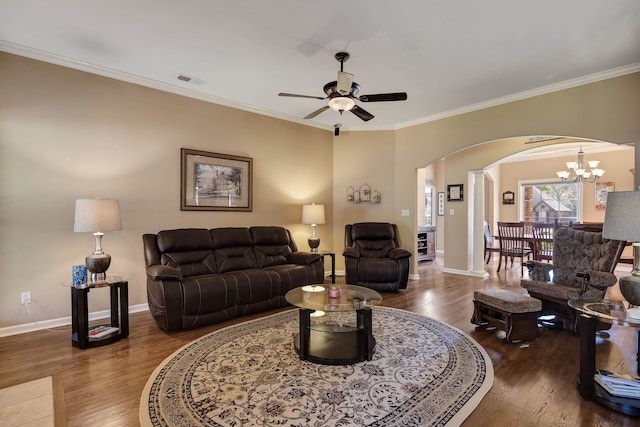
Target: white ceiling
450, 56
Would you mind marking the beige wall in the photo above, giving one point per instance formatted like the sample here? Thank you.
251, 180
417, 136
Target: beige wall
358, 158
605, 111
616, 164
66, 134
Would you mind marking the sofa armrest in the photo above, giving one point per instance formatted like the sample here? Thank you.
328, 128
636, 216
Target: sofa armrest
303, 258
163, 272
398, 253
539, 271
350, 252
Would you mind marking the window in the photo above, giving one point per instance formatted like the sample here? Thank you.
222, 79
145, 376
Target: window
428, 206
548, 201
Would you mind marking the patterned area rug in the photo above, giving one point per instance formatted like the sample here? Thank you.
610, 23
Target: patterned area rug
423, 373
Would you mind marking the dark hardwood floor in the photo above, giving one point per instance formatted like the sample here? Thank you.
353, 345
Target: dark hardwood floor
534, 381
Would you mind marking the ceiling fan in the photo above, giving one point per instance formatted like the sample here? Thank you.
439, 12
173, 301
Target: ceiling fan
343, 92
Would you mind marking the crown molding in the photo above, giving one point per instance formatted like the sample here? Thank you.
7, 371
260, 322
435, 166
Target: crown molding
144, 81
182, 91
544, 90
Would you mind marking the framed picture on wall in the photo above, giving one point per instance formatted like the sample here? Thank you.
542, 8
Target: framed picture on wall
455, 193
602, 188
441, 204
508, 198
215, 182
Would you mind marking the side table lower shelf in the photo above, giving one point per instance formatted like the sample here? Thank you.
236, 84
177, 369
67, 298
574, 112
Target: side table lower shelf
625, 405
588, 387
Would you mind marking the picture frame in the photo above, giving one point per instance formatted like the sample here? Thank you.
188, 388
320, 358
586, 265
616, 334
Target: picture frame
602, 189
441, 203
508, 198
455, 192
215, 181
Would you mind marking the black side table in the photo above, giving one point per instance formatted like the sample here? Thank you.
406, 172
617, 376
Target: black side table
333, 263
119, 289
590, 313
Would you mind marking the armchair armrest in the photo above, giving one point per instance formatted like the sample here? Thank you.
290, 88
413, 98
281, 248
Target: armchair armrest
539, 270
600, 280
163, 272
303, 258
350, 252
398, 253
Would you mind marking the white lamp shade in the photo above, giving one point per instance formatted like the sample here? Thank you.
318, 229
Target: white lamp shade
94, 215
622, 217
313, 214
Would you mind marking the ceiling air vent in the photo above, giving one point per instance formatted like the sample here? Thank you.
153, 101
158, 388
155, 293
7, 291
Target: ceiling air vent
189, 79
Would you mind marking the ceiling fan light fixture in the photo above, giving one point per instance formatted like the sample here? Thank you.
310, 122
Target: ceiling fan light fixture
341, 103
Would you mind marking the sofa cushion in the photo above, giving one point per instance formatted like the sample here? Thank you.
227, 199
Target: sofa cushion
208, 294
233, 249
372, 239
254, 285
293, 276
378, 270
189, 250
272, 245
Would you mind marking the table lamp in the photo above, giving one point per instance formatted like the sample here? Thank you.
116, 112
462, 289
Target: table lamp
622, 222
97, 216
313, 214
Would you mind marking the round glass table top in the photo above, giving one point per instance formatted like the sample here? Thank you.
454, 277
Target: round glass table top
607, 311
333, 298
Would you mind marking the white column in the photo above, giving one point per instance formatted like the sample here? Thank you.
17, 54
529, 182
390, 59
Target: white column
476, 224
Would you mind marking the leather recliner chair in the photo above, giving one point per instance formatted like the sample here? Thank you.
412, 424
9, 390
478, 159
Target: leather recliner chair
373, 256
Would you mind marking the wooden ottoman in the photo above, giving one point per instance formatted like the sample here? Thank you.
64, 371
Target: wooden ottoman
515, 314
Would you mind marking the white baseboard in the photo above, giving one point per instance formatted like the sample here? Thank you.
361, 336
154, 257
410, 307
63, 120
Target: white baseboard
62, 321
481, 273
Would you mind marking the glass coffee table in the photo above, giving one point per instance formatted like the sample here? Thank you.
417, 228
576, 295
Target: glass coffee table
335, 323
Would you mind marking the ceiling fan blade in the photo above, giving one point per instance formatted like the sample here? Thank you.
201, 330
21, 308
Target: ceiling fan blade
315, 113
345, 80
299, 96
380, 97
362, 113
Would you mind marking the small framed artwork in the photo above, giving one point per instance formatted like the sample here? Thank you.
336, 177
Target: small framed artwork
455, 193
215, 182
602, 188
441, 204
508, 198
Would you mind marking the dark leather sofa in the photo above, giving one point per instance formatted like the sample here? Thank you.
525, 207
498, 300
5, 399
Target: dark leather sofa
196, 277
373, 257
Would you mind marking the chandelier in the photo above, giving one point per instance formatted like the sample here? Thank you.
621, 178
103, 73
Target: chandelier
581, 171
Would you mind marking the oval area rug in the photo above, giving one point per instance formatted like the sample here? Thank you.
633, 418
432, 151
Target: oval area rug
423, 373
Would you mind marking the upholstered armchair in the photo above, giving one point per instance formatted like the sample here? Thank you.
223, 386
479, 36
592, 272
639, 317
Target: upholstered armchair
582, 267
373, 257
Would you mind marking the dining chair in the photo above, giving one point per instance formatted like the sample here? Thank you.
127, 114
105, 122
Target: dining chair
512, 243
489, 244
542, 241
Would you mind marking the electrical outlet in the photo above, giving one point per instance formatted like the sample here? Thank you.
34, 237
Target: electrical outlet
25, 298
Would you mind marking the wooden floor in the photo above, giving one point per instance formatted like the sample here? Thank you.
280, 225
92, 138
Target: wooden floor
534, 382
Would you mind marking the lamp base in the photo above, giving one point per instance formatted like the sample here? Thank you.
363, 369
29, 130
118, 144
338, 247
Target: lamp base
98, 264
314, 242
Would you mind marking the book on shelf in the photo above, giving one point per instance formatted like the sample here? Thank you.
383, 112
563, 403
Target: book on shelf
101, 331
618, 384
618, 378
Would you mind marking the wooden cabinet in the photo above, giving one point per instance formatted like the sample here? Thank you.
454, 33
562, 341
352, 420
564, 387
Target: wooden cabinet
426, 243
